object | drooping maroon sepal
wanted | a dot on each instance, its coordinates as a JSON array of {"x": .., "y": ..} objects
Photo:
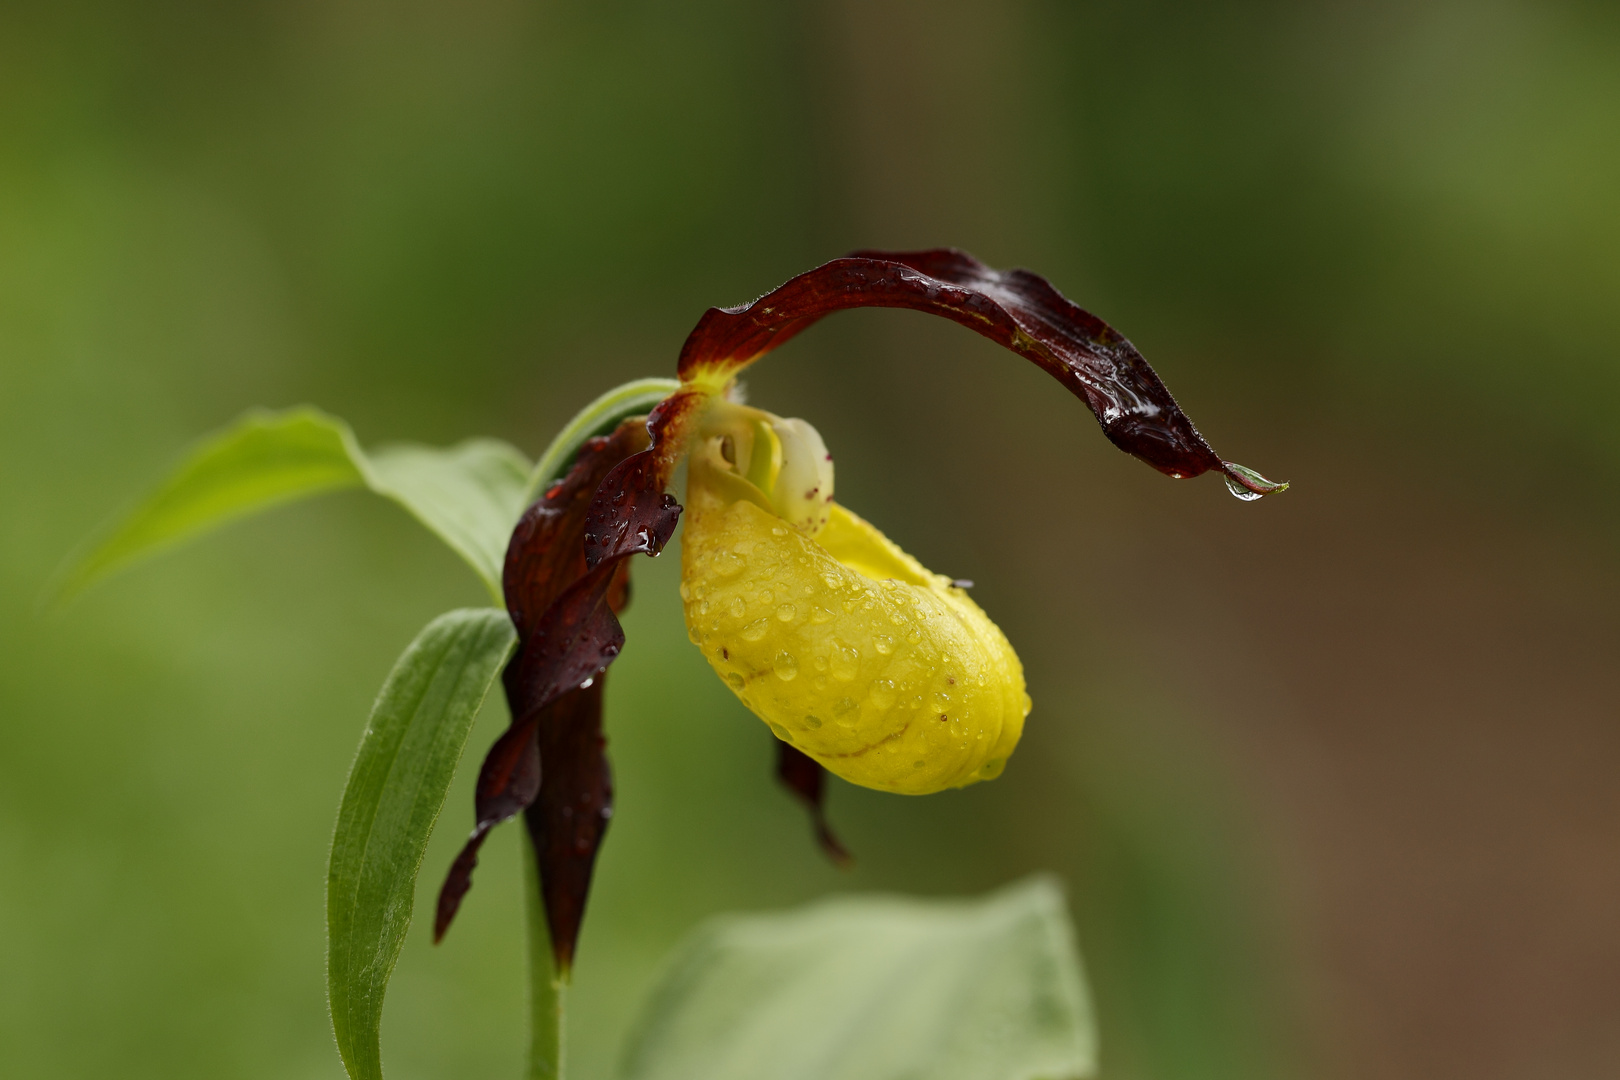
[
  {"x": 1014, "y": 308},
  {"x": 551, "y": 761},
  {"x": 507, "y": 783},
  {"x": 805, "y": 777},
  {"x": 568, "y": 820}
]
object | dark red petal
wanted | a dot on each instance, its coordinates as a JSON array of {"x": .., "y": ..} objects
[
  {"x": 573, "y": 642},
  {"x": 555, "y": 683},
  {"x": 567, "y": 822},
  {"x": 567, "y": 635},
  {"x": 545, "y": 554},
  {"x": 631, "y": 513},
  {"x": 507, "y": 783},
  {"x": 1014, "y": 308},
  {"x": 805, "y": 777}
]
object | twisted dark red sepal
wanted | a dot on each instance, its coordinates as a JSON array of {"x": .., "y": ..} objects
[
  {"x": 568, "y": 820},
  {"x": 507, "y": 782},
  {"x": 1014, "y": 308},
  {"x": 551, "y": 761},
  {"x": 805, "y": 777}
]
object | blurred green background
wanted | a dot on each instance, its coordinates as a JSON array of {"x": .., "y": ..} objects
[{"x": 1330, "y": 778}]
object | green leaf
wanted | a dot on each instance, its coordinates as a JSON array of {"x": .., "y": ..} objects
[
  {"x": 469, "y": 495},
  {"x": 396, "y": 789},
  {"x": 875, "y": 989}
]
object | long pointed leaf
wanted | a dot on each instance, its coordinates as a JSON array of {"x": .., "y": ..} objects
[
  {"x": 469, "y": 495},
  {"x": 261, "y": 460},
  {"x": 875, "y": 989},
  {"x": 395, "y": 793}
]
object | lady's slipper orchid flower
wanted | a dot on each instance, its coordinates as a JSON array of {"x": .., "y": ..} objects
[
  {"x": 861, "y": 661},
  {"x": 884, "y": 673}
]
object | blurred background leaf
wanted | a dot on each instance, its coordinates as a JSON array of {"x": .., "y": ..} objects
[
  {"x": 874, "y": 988},
  {"x": 1350, "y": 816}
]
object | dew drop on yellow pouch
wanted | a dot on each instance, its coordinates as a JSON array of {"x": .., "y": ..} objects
[{"x": 847, "y": 647}]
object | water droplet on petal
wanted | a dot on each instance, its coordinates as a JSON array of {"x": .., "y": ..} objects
[
  {"x": 787, "y": 612},
  {"x": 755, "y": 630},
  {"x": 846, "y": 662},
  {"x": 884, "y": 645},
  {"x": 786, "y": 668}
]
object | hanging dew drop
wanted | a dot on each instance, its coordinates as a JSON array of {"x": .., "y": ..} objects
[
  {"x": 1239, "y": 491},
  {"x": 1246, "y": 484}
]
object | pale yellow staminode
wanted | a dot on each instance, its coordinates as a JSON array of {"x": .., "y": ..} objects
[{"x": 846, "y": 646}]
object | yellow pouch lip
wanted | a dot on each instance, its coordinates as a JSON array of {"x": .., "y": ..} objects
[{"x": 849, "y": 562}]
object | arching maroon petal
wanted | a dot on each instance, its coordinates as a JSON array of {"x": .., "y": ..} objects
[
  {"x": 805, "y": 777},
  {"x": 1014, "y": 308}
]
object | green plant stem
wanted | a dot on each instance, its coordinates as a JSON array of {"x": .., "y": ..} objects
[
  {"x": 546, "y": 987},
  {"x": 597, "y": 418}
]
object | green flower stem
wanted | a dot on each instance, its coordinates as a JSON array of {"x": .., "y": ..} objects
[
  {"x": 546, "y": 987},
  {"x": 597, "y": 418}
]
